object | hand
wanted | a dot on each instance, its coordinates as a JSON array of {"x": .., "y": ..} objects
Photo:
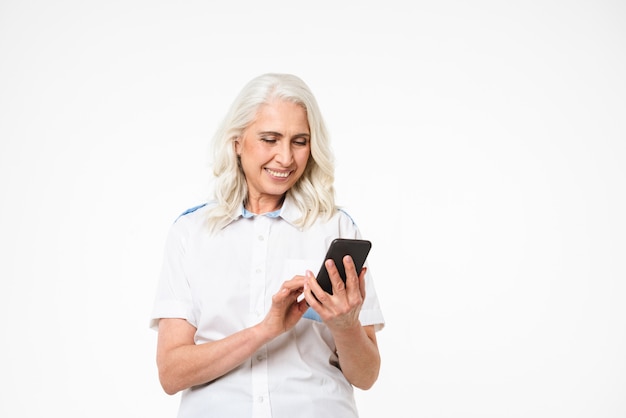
[
  {"x": 339, "y": 311},
  {"x": 286, "y": 310}
]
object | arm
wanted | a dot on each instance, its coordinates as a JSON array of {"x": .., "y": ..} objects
[
  {"x": 358, "y": 355},
  {"x": 357, "y": 348},
  {"x": 183, "y": 364}
]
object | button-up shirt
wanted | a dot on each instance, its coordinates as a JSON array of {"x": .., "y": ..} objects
[{"x": 223, "y": 282}]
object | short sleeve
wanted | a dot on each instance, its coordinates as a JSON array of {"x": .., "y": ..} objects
[{"x": 173, "y": 295}]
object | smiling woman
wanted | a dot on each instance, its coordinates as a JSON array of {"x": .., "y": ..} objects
[
  {"x": 273, "y": 152},
  {"x": 265, "y": 107},
  {"x": 237, "y": 304}
]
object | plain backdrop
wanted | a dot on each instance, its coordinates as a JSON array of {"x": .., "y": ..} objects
[{"x": 480, "y": 145}]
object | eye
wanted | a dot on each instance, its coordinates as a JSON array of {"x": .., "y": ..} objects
[
  {"x": 268, "y": 139},
  {"x": 301, "y": 142}
]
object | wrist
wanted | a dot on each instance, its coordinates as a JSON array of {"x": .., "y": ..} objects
[
  {"x": 262, "y": 333},
  {"x": 348, "y": 333}
]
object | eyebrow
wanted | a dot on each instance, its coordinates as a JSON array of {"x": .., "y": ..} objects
[{"x": 272, "y": 133}]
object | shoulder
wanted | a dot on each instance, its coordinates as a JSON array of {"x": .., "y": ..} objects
[
  {"x": 195, "y": 212},
  {"x": 191, "y": 210},
  {"x": 345, "y": 216},
  {"x": 344, "y": 224},
  {"x": 192, "y": 218}
]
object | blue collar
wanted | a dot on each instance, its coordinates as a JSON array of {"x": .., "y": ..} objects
[
  {"x": 247, "y": 214},
  {"x": 289, "y": 212}
]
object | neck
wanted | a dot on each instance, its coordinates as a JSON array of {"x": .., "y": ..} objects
[{"x": 263, "y": 204}]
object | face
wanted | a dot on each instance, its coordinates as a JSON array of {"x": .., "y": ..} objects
[{"x": 274, "y": 151}]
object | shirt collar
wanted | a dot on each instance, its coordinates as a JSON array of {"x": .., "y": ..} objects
[
  {"x": 247, "y": 214},
  {"x": 288, "y": 211}
]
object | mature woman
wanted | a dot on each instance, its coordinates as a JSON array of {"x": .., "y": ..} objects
[{"x": 244, "y": 329}]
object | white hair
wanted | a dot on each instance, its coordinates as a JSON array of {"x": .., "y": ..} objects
[{"x": 313, "y": 193}]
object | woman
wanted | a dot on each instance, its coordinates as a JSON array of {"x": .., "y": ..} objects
[{"x": 244, "y": 329}]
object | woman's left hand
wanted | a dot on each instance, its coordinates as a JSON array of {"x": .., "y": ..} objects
[
  {"x": 356, "y": 346},
  {"x": 339, "y": 311}
]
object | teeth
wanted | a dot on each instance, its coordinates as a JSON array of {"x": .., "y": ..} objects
[{"x": 277, "y": 174}]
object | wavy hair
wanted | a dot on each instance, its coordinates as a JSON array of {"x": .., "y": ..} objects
[{"x": 313, "y": 193}]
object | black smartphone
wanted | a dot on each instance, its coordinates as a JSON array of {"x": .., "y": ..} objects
[{"x": 358, "y": 249}]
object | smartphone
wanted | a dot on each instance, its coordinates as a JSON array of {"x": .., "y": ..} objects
[{"x": 358, "y": 249}]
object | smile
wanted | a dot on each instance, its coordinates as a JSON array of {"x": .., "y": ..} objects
[{"x": 278, "y": 173}]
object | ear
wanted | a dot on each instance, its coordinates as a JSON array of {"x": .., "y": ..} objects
[{"x": 237, "y": 146}]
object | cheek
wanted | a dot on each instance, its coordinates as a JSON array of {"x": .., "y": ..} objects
[
  {"x": 251, "y": 153},
  {"x": 302, "y": 157}
]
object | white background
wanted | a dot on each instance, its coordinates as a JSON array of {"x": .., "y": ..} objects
[{"x": 480, "y": 145}]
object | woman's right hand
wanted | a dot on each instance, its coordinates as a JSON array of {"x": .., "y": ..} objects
[
  {"x": 286, "y": 310},
  {"x": 182, "y": 363}
]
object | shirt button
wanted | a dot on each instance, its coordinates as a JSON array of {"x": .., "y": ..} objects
[
  {"x": 260, "y": 399},
  {"x": 260, "y": 357},
  {"x": 261, "y": 238},
  {"x": 258, "y": 271}
]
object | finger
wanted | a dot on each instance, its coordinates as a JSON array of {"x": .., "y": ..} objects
[
  {"x": 353, "y": 281},
  {"x": 295, "y": 284},
  {"x": 282, "y": 296},
  {"x": 362, "y": 281},
  {"x": 313, "y": 292},
  {"x": 289, "y": 290},
  {"x": 302, "y": 290},
  {"x": 335, "y": 278},
  {"x": 350, "y": 269}
]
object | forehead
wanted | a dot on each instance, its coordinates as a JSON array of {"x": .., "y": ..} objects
[{"x": 282, "y": 112}]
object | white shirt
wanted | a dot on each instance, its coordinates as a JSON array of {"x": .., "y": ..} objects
[{"x": 223, "y": 283}]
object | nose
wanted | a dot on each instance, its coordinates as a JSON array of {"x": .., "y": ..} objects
[{"x": 284, "y": 153}]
